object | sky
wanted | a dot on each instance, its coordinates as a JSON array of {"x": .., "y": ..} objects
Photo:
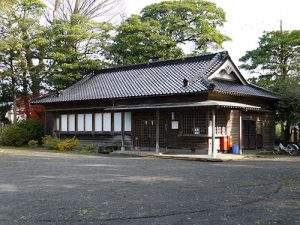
[{"x": 246, "y": 20}]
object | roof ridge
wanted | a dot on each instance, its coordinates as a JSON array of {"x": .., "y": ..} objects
[
  {"x": 78, "y": 83},
  {"x": 159, "y": 63},
  {"x": 220, "y": 55}
]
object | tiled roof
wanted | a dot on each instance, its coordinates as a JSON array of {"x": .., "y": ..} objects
[
  {"x": 242, "y": 90},
  {"x": 152, "y": 79}
]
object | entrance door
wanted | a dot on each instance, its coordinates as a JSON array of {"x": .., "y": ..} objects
[
  {"x": 145, "y": 129},
  {"x": 249, "y": 134}
]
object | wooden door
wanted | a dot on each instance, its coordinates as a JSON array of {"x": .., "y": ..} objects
[
  {"x": 249, "y": 134},
  {"x": 145, "y": 129}
]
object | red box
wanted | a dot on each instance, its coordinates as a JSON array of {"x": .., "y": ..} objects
[{"x": 225, "y": 143}]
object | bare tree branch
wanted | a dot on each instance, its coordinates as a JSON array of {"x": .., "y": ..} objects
[{"x": 100, "y": 10}]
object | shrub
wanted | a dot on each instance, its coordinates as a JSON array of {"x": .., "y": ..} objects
[
  {"x": 89, "y": 147},
  {"x": 34, "y": 129},
  {"x": 107, "y": 149},
  {"x": 14, "y": 135},
  {"x": 51, "y": 142},
  {"x": 68, "y": 144},
  {"x": 21, "y": 132},
  {"x": 33, "y": 143}
]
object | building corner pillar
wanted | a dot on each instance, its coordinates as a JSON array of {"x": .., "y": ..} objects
[{"x": 157, "y": 132}]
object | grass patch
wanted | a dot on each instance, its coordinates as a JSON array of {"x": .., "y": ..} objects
[
  {"x": 291, "y": 182},
  {"x": 4, "y": 149}
]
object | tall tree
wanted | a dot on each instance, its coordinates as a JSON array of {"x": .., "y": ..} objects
[
  {"x": 77, "y": 41},
  {"x": 76, "y": 47},
  {"x": 139, "y": 42},
  {"x": 277, "y": 55},
  {"x": 101, "y": 10},
  {"x": 276, "y": 61},
  {"x": 288, "y": 112},
  {"x": 162, "y": 29},
  {"x": 6, "y": 100},
  {"x": 18, "y": 24}
]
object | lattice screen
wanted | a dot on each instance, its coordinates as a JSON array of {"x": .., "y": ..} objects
[{"x": 194, "y": 122}]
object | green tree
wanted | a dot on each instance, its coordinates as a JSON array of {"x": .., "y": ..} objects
[
  {"x": 288, "y": 111},
  {"x": 277, "y": 56},
  {"x": 276, "y": 61},
  {"x": 162, "y": 29},
  {"x": 76, "y": 47},
  {"x": 139, "y": 42},
  {"x": 19, "y": 22},
  {"x": 6, "y": 100}
]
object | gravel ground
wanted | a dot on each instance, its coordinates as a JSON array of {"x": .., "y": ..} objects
[{"x": 55, "y": 188}]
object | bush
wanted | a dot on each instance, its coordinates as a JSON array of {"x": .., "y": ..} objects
[
  {"x": 107, "y": 149},
  {"x": 33, "y": 143},
  {"x": 51, "y": 142},
  {"x": 89, "y": 147},
  {"x": 68, "y": 144},
  {"x": 21, "y": 132},
  {"x": 14, "y": 135},
  {"x": 34, "y": 129}
]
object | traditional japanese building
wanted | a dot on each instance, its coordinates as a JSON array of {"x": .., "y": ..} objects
[{"x": 187, "y": 103}]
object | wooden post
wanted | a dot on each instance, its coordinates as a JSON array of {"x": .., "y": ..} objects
[
  {"x": 241, "y": 132},
  {"x": 213, "y": 150},
  {"x": 122, "y": 131},
  {"x": 157, "y": 132},
  {"x": 45, "y": 127}
]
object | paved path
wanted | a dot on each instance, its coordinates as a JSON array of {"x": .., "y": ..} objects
[{"x": 53, "y": 188}]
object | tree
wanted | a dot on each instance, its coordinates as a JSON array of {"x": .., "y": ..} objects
[
  {"x": 102, "y": 10},
  {"x": 19, "y": 23},
  {"x": 6, "y": 100},
  {"x": 162, "y": 29},
  {"x": 76, "y": 42},
  {"x": 139, "y": 42},
  {"x": 76, "y": 47},
  {"x": 277, "y": 56},
  {"x": 277, "y": 63},
  {"x": 289, "y": 103}
]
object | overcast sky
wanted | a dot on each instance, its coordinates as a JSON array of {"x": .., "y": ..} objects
[{"x": 246, "y": 20}]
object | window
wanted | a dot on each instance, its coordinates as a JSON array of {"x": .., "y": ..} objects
[
  {"x": 107, "y": 122},
  {"x": 64, "y": 122},
  {"x": 194, "y": 123},
  {"x": 127, "y": 118},
  {"x": 57, "y": 124},
  {"x": 71, "y": 122},
  {"x": 117, "y": 122},
  {"x": 98, "y": 121},
  {"x": 221, "y": 120},
  {"x": 88, "y": 122},
  {"x": 80, "y": 122}
]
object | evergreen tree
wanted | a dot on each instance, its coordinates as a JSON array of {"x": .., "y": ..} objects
[{"x": 162, "y": 29}]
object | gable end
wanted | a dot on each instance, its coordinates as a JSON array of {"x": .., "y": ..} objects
[{"x": 228, "y": 72}]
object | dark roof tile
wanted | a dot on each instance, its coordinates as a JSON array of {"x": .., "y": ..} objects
[{"x": 150, "y": 79}]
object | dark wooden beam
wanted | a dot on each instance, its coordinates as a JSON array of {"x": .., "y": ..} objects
[
  {"x": 241, "y": 132},
  {"x": 157, "y": 132},
  {"x": 213, "y": 137},
  {"x": 122, "y": 130}
]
